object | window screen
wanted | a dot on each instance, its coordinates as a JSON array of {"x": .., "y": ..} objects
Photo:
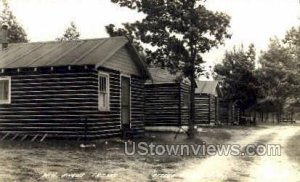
[
  {"x": 4, "y": 90},
  {"x": 103, "y": 92}
]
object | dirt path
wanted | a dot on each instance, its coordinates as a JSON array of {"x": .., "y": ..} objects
[{"x": 249, "y": 168}]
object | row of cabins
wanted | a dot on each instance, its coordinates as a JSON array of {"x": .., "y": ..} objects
[
  {"x": 167, "y": 101},
  {"x": 92, "y": 89}
]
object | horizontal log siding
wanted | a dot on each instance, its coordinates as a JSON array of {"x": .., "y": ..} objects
[
  {"x": 201, "y": 109},
  {"x": 54, "y": 101},
  {"x": 212, "y": 109},
  {"x": 229, "y": 113},
  {"x": 217, "y": 109},
  {"x": 205, "y": 109},
  {"x": 185, "y": 89},
  {"x": 137, "y": 105},
  {"x": 162, "y": 104}
]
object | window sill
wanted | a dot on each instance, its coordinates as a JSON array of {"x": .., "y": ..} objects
[
  {"x": 5, "y": 103},
  {"x": 104, "y": 110}
]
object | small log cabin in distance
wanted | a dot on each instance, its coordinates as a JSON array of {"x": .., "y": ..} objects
[
  {"x": 73, "y": 89},
  {"x": 166, "y": 99},
  {"x": 229, "y": 111},
  {"x": 207, "y": 96}
]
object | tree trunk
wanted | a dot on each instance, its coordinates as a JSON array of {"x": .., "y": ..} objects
[
  {"x": 192, "y": 77},
  {"x": 191, "y": 129}
]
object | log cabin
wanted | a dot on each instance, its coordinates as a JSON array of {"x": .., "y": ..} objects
[
  {"x": 72, "y": 89},
  {"x": 229, "y": 111},
  {"x": 166, "y": 99},
  {"x": 207, "y": 96}
]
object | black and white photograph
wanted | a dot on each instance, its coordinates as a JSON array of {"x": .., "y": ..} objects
[{"x": 150, "y": 90}]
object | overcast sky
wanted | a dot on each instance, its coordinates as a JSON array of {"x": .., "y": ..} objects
[{"x": 253, "y": 21}]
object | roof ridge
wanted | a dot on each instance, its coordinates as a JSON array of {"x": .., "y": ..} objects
[{"x": 79, "y": 40}]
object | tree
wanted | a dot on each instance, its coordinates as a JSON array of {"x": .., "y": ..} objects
[
  {"x": 280, "y": 71},
  {"x": 128, "y": 31},
  {"x": 237, "y": 72},
  {"x": 71, "y": 33},
  {"x": 16, "y": 33},
  {"x": 292, "y": 43},
  {"x": 175, "y": 34}
]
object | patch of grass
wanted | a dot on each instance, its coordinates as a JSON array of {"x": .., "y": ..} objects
[
  {"x": 216, "y": 134},
  {"x": 231, "y": 180},
  {"x": 248, "y": 158},
  {"x": 293, "y": 148}
]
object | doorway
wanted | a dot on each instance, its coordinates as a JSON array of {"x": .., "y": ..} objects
[{"x": 125, "y": 102}]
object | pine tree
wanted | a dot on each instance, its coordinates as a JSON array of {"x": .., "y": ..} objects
[
  {"x": 16, "y": 33},
  {"x": 71, "y": 33},
  {"x": 237, "y": 72},
  {"x": 280, "y": 71}
]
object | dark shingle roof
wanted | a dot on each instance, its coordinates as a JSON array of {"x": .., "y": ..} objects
[
  {"x": 207, "y": 87},
  {"x": 79, "y": 52}
]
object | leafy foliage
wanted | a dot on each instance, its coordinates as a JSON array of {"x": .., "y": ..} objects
[
  {"x": 16, "y": 33},
  {"x": 71, "y": 33},
  {"x": 175, "y": 34},
  {"x": 128, "y": 31},
  {"x": 280, "y": 71},
  {"x": 237, "y": 73}
]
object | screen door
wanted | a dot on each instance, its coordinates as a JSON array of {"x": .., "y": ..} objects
[{"x": 125, "y": 100}]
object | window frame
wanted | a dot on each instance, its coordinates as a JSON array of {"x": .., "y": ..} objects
[
  {"x": 9, "y": 90},
  {"x": 106, "y": 75}
]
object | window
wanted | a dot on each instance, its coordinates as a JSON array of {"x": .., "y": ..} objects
[
  {"x": 4, "y": 90},
  {"x": 186, "y": 100},
  {"x": 103, "y": 90}
]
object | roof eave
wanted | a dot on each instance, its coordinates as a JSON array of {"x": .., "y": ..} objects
[{"x": 140, "y": 62}]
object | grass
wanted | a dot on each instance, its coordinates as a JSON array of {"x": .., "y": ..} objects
[
  {"x": 293, "y": 148},
  {"x": 29, "y": 161}
]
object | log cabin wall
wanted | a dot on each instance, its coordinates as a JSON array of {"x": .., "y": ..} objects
[
  {"x": 184, "y": 110},
  {"x": 202, "y": 104},
  {"x": 137, "y": 105},
  {"x": 212, "y": 109},
  {"x": 162, "y": 104},
  {"x": 57, "y": 101},
  {"x": 205, "y": 109},
  {"x": 229, "y": 112},
  {"x": 217, "y": 106}
]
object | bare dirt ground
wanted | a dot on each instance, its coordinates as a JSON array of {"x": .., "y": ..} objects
[
  {"x": 66, "y": 161},
  {"x": 285, "y": 167}
]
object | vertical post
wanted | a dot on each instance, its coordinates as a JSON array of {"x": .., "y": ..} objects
[{"x": 192, "y": 103}]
